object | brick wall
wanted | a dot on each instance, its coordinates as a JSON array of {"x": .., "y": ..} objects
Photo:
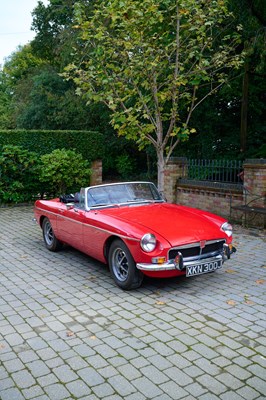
[
  {"x": 215, "y": 199},
  {"x": 255, "y": 181},
  {"x": 96, "y": 173},
  {"x": 207, "y": 198}
]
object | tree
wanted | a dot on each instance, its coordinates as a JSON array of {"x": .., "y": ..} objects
[
  {"x": 55, "y": 32},
  {"x": 46, "y": 101},
  {"x": 17, "y": 67},
  {"x": 5, "y": 100},
  {"x": 252, "y": 13},
  {"x": 20, "y": 64},
  {"x": 146, "y": 61}
]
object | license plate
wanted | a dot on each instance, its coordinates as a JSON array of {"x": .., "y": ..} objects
[{"x": 203, "y": 268}]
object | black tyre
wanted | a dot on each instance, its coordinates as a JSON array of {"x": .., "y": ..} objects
[
  {"x": 123, "y": 267},
  {"x": 50, "y": 240}
]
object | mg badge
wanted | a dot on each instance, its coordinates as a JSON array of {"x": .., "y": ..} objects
[{"x": 202, "y": 244}]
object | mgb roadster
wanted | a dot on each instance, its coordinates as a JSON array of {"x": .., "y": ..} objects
[{"x": 130, "y": 227}]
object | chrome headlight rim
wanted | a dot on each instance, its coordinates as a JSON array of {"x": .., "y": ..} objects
[
  {"x": 148, "y": 242},
  {"x": 227, "y": 228}
]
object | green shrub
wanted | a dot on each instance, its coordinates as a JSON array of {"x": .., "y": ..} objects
[
  {"x": 125, "y": 165},
  {"x": 63, "y": 171},
  {"x": 19, "y": 170},
  {"x": 89, "y": 144}
]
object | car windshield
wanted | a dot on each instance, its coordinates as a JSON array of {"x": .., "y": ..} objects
[{"x": 122, "y": 193}]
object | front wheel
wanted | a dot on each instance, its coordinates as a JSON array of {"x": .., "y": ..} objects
[
  {"x": 123, "y": 267},
  {"x": 50, "y": 240}
]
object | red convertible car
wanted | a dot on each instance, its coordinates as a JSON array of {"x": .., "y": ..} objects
[{"x": 133, "y": 229}]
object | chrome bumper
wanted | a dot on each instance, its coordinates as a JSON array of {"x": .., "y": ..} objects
[{"x": 184, "y": 264}]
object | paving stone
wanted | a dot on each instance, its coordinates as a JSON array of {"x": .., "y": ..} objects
[
  {"x": 146, "y": 387},
  {"x": 78, "y": 388},
  {"x": 154, "y": 374},
  {"x": 38, "y": 368},
  {"x": 57, "y": 392},
  {"x": 211, "y": 384},
  {"x": 178, "y": 376},
  {"x": 5, "y": 383},
  {"x": 230, "y": 381},
  {"x": 159, "y": 362},
  {"x": 54, "y": 362},
  {"x": 193, "y": 371},
  {"x": 13, "y": 365},
  {"x": 11, "y": 394},
  {"x": 47, "y": 380},
  {"x": 196, "y": 390},
  {"x": 90, "y": 376},
  {"x": 124, "y": 345},
  {"x": 130, "y": 372},
  {"x": 205, "y": 351},
  {"x": 248, "y": 393},
  {"x": 14, "y": 339},
  {"x": 239, "y": 372},
  {"x": 134, "y": 396},
  {"x": 231, "y": 396},
  {"x": 104, "y": 391},
  {"x": 23, "y": 379},
  {"x": 257, "y": 370},
  {"x": 32, "y": 392},
  {"x": 257, "y": 384},
  {"x": 173, "y": 390}
]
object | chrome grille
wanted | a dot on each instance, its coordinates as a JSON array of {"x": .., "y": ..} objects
[{"x": 194, "y": 250}]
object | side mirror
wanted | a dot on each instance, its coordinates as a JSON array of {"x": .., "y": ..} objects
[{"x": 69, "y": 206}]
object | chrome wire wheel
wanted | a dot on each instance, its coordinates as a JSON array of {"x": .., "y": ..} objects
[
  {"x": 50, "y": 240},
  {"x": 123, "y": 267},
  {"x": 48, "y": 232},
  {"x": 120, "y": 264}
]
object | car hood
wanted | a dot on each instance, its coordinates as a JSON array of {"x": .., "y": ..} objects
[{"x": 177, "y": 224}]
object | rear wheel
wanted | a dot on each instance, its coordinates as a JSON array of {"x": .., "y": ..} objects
[
  {"x": 50, "y": 240},
  {"x": 123, "y": 267}
]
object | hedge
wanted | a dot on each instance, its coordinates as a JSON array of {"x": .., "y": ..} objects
[{"x": 88, "y": 143}]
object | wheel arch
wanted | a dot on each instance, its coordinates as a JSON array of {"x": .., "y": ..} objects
[
  {"x": 42, "y": 219},
  {"x": 108, "y": 243}
]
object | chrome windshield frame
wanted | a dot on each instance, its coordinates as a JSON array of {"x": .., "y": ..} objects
[{"x": 110, "y": 195}]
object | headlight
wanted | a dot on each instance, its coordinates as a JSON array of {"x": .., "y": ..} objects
[
  {"x": 227, "y": 228},
  {"x": 148, "y": 242}
]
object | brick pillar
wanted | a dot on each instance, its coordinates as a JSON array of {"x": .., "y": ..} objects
[
  {"x": 96, "y": 173},
  {"x": 176, "y": 168},
  {"x": 255, "y": 179},
  {"x": 255, "y": 183}
]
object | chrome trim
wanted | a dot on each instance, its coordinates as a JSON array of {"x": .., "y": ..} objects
[
  {"x": 171, "y": 265},
  {"x": 197, "y": 245}
]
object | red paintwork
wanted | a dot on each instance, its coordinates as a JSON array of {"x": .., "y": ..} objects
[{"x": 90, "y": 231}]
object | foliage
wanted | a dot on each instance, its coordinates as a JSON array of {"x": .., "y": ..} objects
[
  {"x": 46, "y": 101},
  {"x": 63, "y": 171},
  {"x": 150, "y": 76},
  {"x": 5, "y": 99},
  {"x": 219, "y": 121},
  {"x": 20, "y": 64},
  {"x": 33, "y": 95},
  {"x": 24, "y": 175},
  {"x": 89, "y": 144},
  {"x": 55, "y": 31},
  {"x": 125, "y": 165},
  {"x": 19, "y": 169}
]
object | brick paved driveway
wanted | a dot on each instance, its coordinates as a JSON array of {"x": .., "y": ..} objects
[{"x": 67, "y": 332}]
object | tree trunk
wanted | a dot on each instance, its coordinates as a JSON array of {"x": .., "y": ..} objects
[
  {"x": 160, "y": 170},
  {"x": 244, "y": 112}
]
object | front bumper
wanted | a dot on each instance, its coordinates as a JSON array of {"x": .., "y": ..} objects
[{"x": 183, "y": 264}]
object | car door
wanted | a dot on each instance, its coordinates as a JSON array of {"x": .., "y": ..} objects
[
  {"x": 70, "y": 224},
  {"x": 95, "y": 234}
]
